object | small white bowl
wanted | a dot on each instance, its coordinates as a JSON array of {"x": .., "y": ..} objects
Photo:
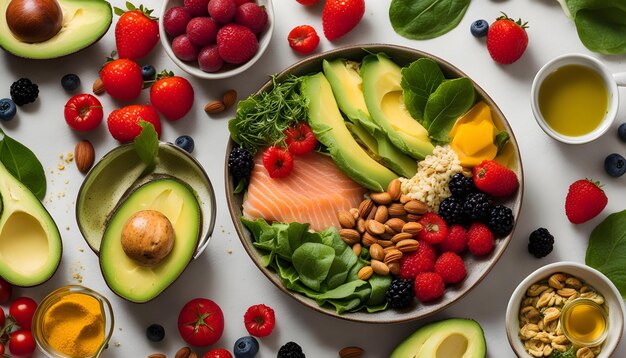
[
  {"x": 589, "y": 275},
  {"x": 229, "y": 70}
]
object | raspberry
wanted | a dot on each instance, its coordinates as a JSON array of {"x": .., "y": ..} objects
[
  {"x": 422, "y": 260},
  {"x": 434, "y": 229},
  {"x": 300, "y": 139},
  {"x": 479, "y": 239},
  {"x": 259, "y": 320},
  {"x": 202, "y": 31},
  {"x": 251, "y": 16},
  {"x": 303, "y": 39},
  {"x": 209, "y": 59},
  {"x": 222, "y": 11},
  {"x": 450, "y": 267},
  {"x": 429, "y": 286},
  {"x": 455, "y": 241},
  {"x": 278, "y": 161},
  {"x": 184, "y": 49},
  {"x": 237, "y": 44},
  {"x": 196, "y": 7},
  {"x": 175, "y": 20}
]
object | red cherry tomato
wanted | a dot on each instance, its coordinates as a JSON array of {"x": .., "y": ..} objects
[
  {"x": 21, "y": 344},
  {"x": 83, "y": 112},
  {"x": 201, "y": 322},
  {"x": 217, "y": 353},
  {"x": 23, "y": 310},
  {"x": 6, "y": 289},
  {"x": 1, "y": 348}
]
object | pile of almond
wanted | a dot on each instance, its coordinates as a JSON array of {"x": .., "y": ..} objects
[{"x": 385, "y": 223}]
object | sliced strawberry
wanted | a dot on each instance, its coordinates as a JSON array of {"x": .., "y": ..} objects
[
  {"x": 303, "y": 39},
  {"x": 434, "y": 229},
  {"x": 278, "y": 161},
  {"x": 259, "y": 320},
  {"x": 300, "y": 139}
]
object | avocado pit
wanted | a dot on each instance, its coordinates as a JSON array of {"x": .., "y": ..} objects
[
  {"x": 147, "y": 237},
  {"x": 34, "y": 21}
]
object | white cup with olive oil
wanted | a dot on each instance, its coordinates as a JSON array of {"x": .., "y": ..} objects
[{"x": 575, "y": 98}]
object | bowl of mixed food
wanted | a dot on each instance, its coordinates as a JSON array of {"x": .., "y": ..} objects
[{"x": 374, "y": 183}]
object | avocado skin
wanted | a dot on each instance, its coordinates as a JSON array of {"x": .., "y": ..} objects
[{"x": 423, "y": 343}]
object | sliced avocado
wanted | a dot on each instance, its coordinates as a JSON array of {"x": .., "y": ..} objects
[
  {"x": 84, "y": 22},
  {"x": 385, "y": 102},
  {"x": 347, "y": 85},
  {"x": 330, "y": 129},
  {"x": 30, "y": 243},
  {"x": 127, "y": 277},
  {"x": 450, "y": 338}
]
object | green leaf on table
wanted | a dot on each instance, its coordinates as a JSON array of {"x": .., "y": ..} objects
[
  {"x": 601, "y": 24},
  {"x": 607, "y": 249},
  {"x": 449, "y": 101},
  {"x": 23, "y": 164},
  {"x": 147, "y": 145},
  {"x": 426, "y": 19},
  {"x": 419, "y": 80}
]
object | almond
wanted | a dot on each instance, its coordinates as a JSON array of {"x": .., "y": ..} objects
[
  {"x": 379, "y": 267},
  {"x": 98, "y": 87},
  {"x": 183, "y": 352},
  {"x": 374, "y": 227},
  {"x": 360, "y": 225},
  {"x": 351, "y": 352},
  {"x": 382, "y": 213},
  {"x": 350, "y": 236},
  {"x": 396, "y": 210},
  {"x": 376, "y": 252},
  {"x": 229, "y": 98},
  {"x": 372, "y": 213},
  {"x": 401, "y": 236},
  {"x": 412, "y": 228},
  {"x": 390, "y": 231},
  {"x": 405, "y": 199},
  {"x": 396, "y": 224},
  {"x": 368, "y": 240},
  {"x": 381, "y": 198},
  {"x": 346, "y": 220},
  {"x": 385, "y": 243},
  {"x": 365, "y": 207},
  {"x": 84, "y": 155},
  {"x": 409, "y": 245},
  {"x": 214, "y": 107},
  {"x": 415, "y": 207},
  {"x": 392, "y": 256},
  {"x": 157, "y": 355},
  {"x": 355, "y": 213},
  {"x": 394, "y": 189},
  {"x": 356, "y": 248},
  {"x": 413, "y": 217},
  {"x": 394, "y": 267},
  {"x": 365, "y": 273}
]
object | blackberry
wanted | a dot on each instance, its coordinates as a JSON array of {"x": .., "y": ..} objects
[
  {"x": 540, "y": 243},
  {"x": 240, "y": 163},
  {"x": 477, "y": 207},
  {"x": 460, "y": 186},
  {"x": 500, "y": 220},
  {"x": 451, "y": 210},
  {"x": 400, "y": 293},
  {"x": 23, "y": 91},
  {"x": 290, "y": 350}
]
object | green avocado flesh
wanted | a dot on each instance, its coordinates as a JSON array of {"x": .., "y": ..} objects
[
  {"x": 330, "y": 129},
  {"x": 385, "y": 102},
  {"x": 347, "y": 85},
  {"x": 451, "y": 338},
  {"x": 30, "y": 243},
  {"x": 127, "y": 278},
  {"x": 84, "y": 22}
]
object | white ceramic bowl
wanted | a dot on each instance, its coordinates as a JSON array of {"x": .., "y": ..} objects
[
  {"x": 592, "y": 277},
  {"x": 228, "y": 70}
]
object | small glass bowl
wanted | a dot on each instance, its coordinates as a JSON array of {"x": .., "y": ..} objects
[
  {"x": 576, "y": 302},
  {"x": 52, "y": 298}
]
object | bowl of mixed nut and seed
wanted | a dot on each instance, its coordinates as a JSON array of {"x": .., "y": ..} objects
[{"x": 565, "y": 309}]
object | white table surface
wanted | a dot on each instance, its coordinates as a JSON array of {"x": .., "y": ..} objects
[{"x": 226, "y": 274}]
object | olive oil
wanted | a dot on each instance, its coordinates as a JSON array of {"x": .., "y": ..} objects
[
  {"x": 573, "y": 100},
  {"x": 584, "y": 322}
]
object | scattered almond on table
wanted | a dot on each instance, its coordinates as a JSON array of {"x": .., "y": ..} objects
[{"x": 84, "y": 155}]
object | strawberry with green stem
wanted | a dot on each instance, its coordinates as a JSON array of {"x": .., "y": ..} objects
[
  {"x": 585, "y": 200},
  {"x": 136, "y": 31},
  {"x": 507, "y": 39},
  {"x": 171, "y": 95}
]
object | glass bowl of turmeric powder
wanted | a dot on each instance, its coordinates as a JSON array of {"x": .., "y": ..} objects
[{"x": 73, "y": 322}]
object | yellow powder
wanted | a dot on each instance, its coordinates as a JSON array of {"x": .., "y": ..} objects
[{"x": 74, "y": 325}]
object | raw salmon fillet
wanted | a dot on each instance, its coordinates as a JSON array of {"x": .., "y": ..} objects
[{"x": 314, "y": 193}]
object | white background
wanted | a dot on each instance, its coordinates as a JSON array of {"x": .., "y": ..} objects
[{"x": 226, "y": 274}]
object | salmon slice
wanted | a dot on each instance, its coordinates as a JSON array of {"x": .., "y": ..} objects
[{"x": 314, "y": 193}]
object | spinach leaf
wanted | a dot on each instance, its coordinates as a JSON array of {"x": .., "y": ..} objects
[
  {"x": 313, "y": 261},
  {"x": 147, "y": 145},
  {"x": 451, "y": 99},
  {"x": 23, "y": 164},
  {"x": 419, "y": 80},
  {"x": 601, "y": 24},
  {"x": 607, "y": 249},
  {"x": 426, "y": 19}
]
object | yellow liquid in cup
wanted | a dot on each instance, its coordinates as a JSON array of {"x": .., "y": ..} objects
[
  {"x": 573, "y": 100},
  {"x": 584, "y": 322}
]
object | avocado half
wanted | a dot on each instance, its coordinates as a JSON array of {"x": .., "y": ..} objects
[
  {"x": 84, "y": 22},
  {"x": 30, "y": 243}
]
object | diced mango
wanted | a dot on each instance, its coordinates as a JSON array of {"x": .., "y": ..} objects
[{"x": 472, "y": 136}]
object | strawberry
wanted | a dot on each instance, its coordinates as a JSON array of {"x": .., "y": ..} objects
[
  {"x": 507, "y": 39},
  {"x": 236, "y": 44},
  {"x": 585, "y": 200},
  {"x": 124, "y": 125},
  {"x": 303, "y": 39},
  {"x": 122, "y": 79},
  {"x": 300, "y": 139},
  {"x": 340, "y": 16},
  {"x": 434, "y": 229},
  {"x": 308, "y": 2},
  {"x": 136, "y": 32},
  {"x": 278, "y": 161},
  {"x": 494, "y": 178},
  {"x": 259, "y": 320},
  {"x": 171, "y": 95}
]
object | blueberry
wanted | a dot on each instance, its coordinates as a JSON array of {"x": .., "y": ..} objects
[
  {"x": 155, "y": 332},
  {"x": 621, "y": 132},
  {"x": 479, "y": 28},
  {"x": 7, "y": 109},
  {"x": 70, "y": 82},
  {"x": 185, "y": 142},
  {"x": 246, "y": 347},
  {"x": 615, "y": 165},
  {"x": 148, "y": 72}
]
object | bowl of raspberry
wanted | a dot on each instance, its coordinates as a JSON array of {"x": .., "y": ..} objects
[{"x": 215, "y": 39}]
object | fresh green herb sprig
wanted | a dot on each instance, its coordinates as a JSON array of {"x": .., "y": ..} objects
[{"x": 261, "y": 119}]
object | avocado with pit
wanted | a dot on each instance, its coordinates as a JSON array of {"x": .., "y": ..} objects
[
  {"x": 347, "y": 85},
  {"x": 385, "y": 102},
  {"x": 30, "y": 243},
  {"x": 83, "y": 22},
  {"x": 150, "y": 238},
  {"x": 450, "y": 338},
  {"x": 330, "y": 129}
]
